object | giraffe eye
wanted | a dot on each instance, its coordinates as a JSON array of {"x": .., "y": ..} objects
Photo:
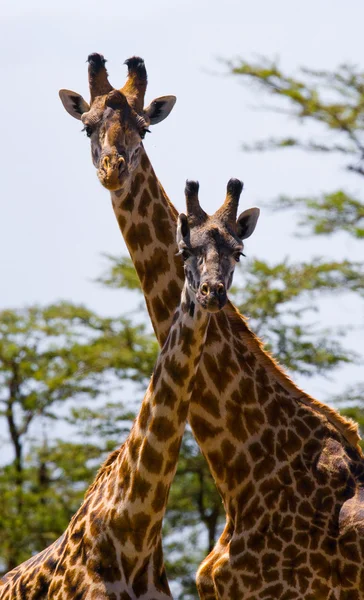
[
  {"x": 143, "y": 132},
  {"x": 88, "y": 130},
  {"x": 185, "y": 254}
]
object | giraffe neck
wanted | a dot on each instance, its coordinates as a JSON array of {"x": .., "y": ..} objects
[
  {"x": 147, "y": 220},
  {"x": 140, "y": 477},
  {"x": 234, "y": 363},
  {"x": 119, "y": 524}
]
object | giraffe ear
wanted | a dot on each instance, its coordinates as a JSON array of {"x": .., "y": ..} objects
[
  {"x": 246, "y": 222},
  {"x": 183, "y": 228},
  {"x": 160, "y": 108},
  {"x": 74, "y": 104}
]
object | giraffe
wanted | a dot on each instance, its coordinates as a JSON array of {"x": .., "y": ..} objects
[
  {"x": 112, "y": 547},
  {"x": 289, "y": 468}
]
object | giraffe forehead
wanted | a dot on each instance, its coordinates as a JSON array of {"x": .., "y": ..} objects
[{"x": 211, "y": 236}]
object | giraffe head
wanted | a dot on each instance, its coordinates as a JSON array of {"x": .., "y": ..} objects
[
  {"x": 116, "y": 120},
  {"x": 212, "y": 245}
]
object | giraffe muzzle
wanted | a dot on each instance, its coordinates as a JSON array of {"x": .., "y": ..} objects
[
  {"x": 212, "y": 297},
  {"x": 112, "y": 172}
]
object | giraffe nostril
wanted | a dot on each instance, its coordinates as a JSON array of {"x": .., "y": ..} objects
[
  {"x": 204, "y": 289},
  {"x": 106, "y": 162},
  {"x": 221, "y": 289}
]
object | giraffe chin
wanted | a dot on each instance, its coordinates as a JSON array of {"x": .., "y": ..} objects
[
  {"x": 111, "y": 180},
  {"x": 211, "y": 305}
]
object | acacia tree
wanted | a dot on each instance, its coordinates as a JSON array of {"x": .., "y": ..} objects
[
  {"x": 48, "y": 357},
  {"x": 334, "y": 100}
]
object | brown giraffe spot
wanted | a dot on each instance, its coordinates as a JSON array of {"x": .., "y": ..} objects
[
  {"x": 349, "y": 595},
  {"x": 262, "y": 379},
  {"x": 186, "y": 339},
  {"x": 133, "y": 446},
  {"x": 245, "y": 394},
  {"x": 348, "y": 543},
  {"x": 151, "y": 458},
  {"x": 140, "y": 583},
  {"x": 162, "y": 225},
  {"x": 310, "y": 448},
  {"x": 153, "y": 268},
  {"x": 220, "y": 378},
  {"x": 145, "y": 201},
  {"x": 96, "y": 525},
  {"x": 228, "y": 450},
  {"x": 144, "y": 416},
  {"x": 320, "y": 589},
  {"x": 154, "y": 532},
  {"x": 282, "y": 525},
  {"x": 329, "y": 546},
  {"x": 138, "y": 236},
  {"x": 173, "y": 338},
  {"x": 234, "y": 422},
  {"x": 215, "y": 458},
  {"x": 160, "y": 497},
  {"x": 268, "y": 441},
  {"x": 128, "y": 203},
  {"x": 139, "y": 527},
  {"x": 162, "y": 428},
  {"x": 256, "y": 542},
  {"x": 288, "y": 500},
  {"x": 106, "y": 566},
  {"x": 250, "y": 575},
  {"x": 270, "y": 490},
  {"x": 152, "y": 182},
  {"x": 136, "y": 185},
  {"x": 41, "y": 587},
  {"x": 305, "y": 486},
  {"x": 122, "y": 222},
  {"x": 203, "y": 429},
  {"x": 139, "y": 487},
  {"x": 270, "y": 562},
  {"x": 171, "y": 295},
  {"x": 176, "y": 371},
  {"x": 127, "y": 566},
  {"x": 300, "y": 428},
  {"x": 234, "y": 591},
  {"x": 302, "y": 539},
  {"x": 182, "y": 411},
  {"x": 160, "y": 577},
  {"x": 160, "y": 310},
  {"x": 275, "y": 415},
  {"x": 213, "y": 333},
  {"x": 165, "y": 395},
  {"x": 273, "y": 591},
  {"x": 288, "y": 443},
  {"x": 249, "y": 361},
  {"x": 254, "y": 419},
  {"x": 237, "y": 546},
  {"x": 238, "y": 471}
]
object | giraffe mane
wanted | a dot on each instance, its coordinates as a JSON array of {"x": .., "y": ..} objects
[
  {"x": 346, "y": 426},
  {"x": 103, "y": 470}
]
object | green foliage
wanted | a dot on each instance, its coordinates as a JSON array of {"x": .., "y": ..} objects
[
  {"x": 327, "y": 214},
  {"x": 335, "y": 99}
]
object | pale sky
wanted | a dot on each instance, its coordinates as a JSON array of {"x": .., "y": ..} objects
[{"x": 56, "y": 219}]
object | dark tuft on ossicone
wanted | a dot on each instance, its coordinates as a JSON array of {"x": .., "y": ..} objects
[
  {"x": 192, "y": 188},
  {"x": 96, "y": 62},
  {"x": 234, "y": 187},
  {"x": 136, "y": 65}
]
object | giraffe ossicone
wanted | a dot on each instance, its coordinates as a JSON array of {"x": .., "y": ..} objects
[{"x": 112, "y": 548}]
